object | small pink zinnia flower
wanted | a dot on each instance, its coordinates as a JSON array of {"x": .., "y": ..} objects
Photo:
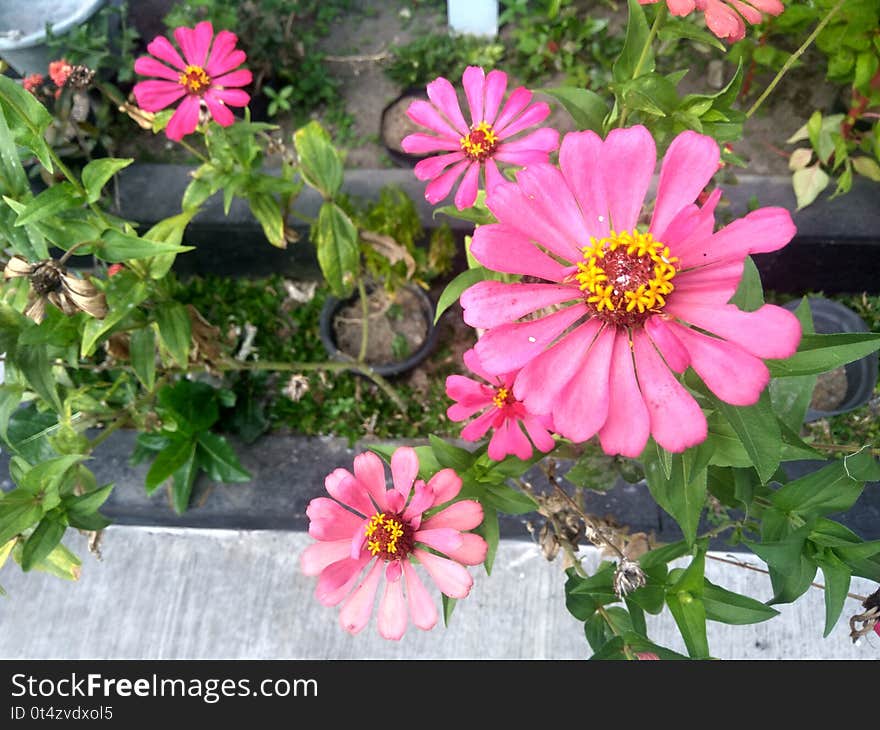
[
  {"x": 201, "y": 77},
  {"x": 482, "y": 144},
  {"x": 501, "y": 412},
  {"x": 365, "y": 525},
  {"x": 32, "y": 83},
  {"x": 59, "y": 72},
  {"x": 621, "y": 310},
  {"x": 724, "y": 21}
]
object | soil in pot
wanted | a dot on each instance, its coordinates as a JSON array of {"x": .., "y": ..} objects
[
  {"x": 830, "y": 390},
  {"x": 396, "y": 327},
  {"x": 396, "y": 125}
]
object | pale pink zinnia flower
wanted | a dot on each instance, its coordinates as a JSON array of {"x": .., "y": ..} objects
[
  {"x": 32, "y": 82},
  {"x": 621, "y": 310},
  {"x": 724, "y": 21},
  {"x": 385, "y": 531},
  {"x": 501, "y": 411},
  {"x": 480, "y": 145},
  {"x": 59, "y": 72},
  {"x": 198, "y": 76}
]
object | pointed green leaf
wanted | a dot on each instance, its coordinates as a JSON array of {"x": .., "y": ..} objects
[
  {"x": 821, "y": 353},
  {"x": 749, "y": 295},
  {"x": 182, "y": 481},
  {"x": 733, "y": 608},
  {"x": 587, "y": 108},
  {"x": 143, "y": 356},
  {"x": 508, "y": 500},
  {"x": 835, "y": 488},
  {"x": 584, "y": 595},
  {"x": 837, "y": 579},
  {"x": 451, "y": 456},
  {"x": 635, "y": 58},
  {"x": 27, "y": 118},
  {"x": 168, "y": 461},
  {"x": 336, "y": 239},
  {"x": 219, "y": 460},
  {"x": 454, "y": 289},
  {"x": 42, "y": 541},
  {"x": 320, "y": 163},
  {"x": 10, "y": 397},
  {"x": 490, "y": 529},
  {"x": 683, "y": 494},
  {"x": 175, "y": 331},
  {"x": 690, "y": 617},
  {"x": 448, "y": 608},
  {"x": 60, "y": 563},
  {"x": 122, "y": 299},
  {"x": 88, "y": 503},
  {"x": 757, "y": 428},
  {"x": 62, "y": 196},
  {"x": 267, "y": 211},
  {"x": 19, "y": 509},
  {"x": 170, "y": 231},
  {"x": 33, "y": 361},
  {"x": 117, "y": 247},
  {"x": 97, "y": 173}
]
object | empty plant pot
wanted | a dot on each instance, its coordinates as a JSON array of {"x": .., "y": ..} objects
[{"x": 850, "y": 386}]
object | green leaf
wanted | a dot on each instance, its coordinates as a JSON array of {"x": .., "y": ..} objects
[
  {"x": 732, "y": 608},
  {"x": 634, "y": 59},
  {"x": 454, "y": 289},
  {"x": 808, "y": 183},
  {"x": 182, "y": 480},
  {"x": 27, "y": 118},
  {"x": 791, "y": 571},
  {"x": 97, "y": 173},
  {"x": 641, "y": 645},
  {"x": 587, "y": 108},
  {"x": 757, "y": 428},
  {"x": 336, "y": 239},
  {"x": 867, "y": 167},
  {"x": 683, "y": 494},
  {"x": 676, "y": 29},
  {"x": 451, "y": 456},
  {"x": 88, "y": 503},
  {"x": 268, "y": 212},
  {"x": 662, "y": 555},
  {"x": 122, "y": 299},
  {"x": 117, "y": 247},
  {"x": 690, "y": 617},
  {"x": 169, "y": 231},
  {"x": 42, "y": 541},
  {"x": 448, "y": 608},
  {"x": 29, "y": 432},
  {"x": 10, "y": 397},
  {"x": 837, "y": 580},
  {"x": 60, "y": 563},
  {"x": 19, "y": 509},
  {"x": 45, "y": 479},
  {"x": 142, "y": 347},
  {"x": 477, "y": 214},
  {"x": 791, "y": 396},
  {"x": 821, "y": 353},
  {"x": 33, "y": 361},
  {"x": 584, "y": 595},
  {"x": 749, "y": 294},
  {"x": 175, "y": 331},
  {"x": 62, "y": 196},
  {"x": 168, "y": 461},
  {"x": 218, "y": 459},
  {"x": 192, "y": 404},
  {"x": 650, "y": 93},
  {"x": 490, "y": 529},
  {"x": 508, "y": 500},
  {"x": 320, "y": 163}
]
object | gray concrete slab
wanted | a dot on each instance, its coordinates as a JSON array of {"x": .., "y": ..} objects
[{"x": 164, "y": 593}]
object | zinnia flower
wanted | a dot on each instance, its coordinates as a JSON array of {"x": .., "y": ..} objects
[
  {"x": 32, "y": 83},
  {"x": 59, "y": 72},
  {"x": 724, "y": 21},
  {"x": 622, "y": 310},
  {"x": 385, "y": 531},
  {"x": 51, "y": 282},
  {"x": 201, "y": 77},
  {"x": 482, "y": 144},
  {"x": 501, "y": 411}
]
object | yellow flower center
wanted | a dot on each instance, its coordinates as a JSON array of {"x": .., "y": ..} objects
[
  {"x": 626, "y": 277},
  {"x": 388, "y": 537},
  {"x": 195, "y": 79},
  {"x": 480, "y": 142},
  {"x": 502, "y": 397}
]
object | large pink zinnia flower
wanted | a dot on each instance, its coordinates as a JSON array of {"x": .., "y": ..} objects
[
  {"x": 501, "y": 412},
  {"x": 202, "y": 77},
  {"x": 366, "y": 525},
  {"x": 478, "y": 146},
  {"x": 627, "y": 309},
  {"x": 724, "y": 21}
]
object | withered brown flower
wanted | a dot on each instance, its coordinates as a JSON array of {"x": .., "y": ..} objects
[{"x": 51, "y": 282}]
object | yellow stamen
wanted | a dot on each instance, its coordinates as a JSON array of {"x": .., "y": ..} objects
[
  {"x": 501, "y": 397},
  {"x": 480, "y": 142},
  {"x": 195, "y": 79}
]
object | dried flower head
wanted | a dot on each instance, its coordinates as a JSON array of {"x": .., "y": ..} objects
[
  {"x": 628, "y": 577},
  {"x": 51, "y": 282},
  {"x": 869, "y": 620},
  {"x": 80, "y": 77}
]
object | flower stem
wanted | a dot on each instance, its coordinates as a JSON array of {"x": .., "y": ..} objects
[
  {"x": 365, "y": 316},
  {"x": 643, "y": 56},
  {"x": 792, "y": 59}
]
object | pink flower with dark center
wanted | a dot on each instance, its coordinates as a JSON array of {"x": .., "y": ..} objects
[
  {"x": 205, "y": 74},
  {"x": 501, "y": 411},
  {"x": 369, "y": 529},
  {"x": 621, "y": 310},
  {"x": 725, "y": 17},
  {"x": 32, "y": 83},
  {"x": 483, "y": 143}
]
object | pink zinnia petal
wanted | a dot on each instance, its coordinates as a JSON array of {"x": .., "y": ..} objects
[
  {"x": 154, "y": 96},
  {"x": 535, "y": 114},
  {"x": 231, "y": 97},
  {"x": 673, "y": 351},
  {"x": 502, "y": 248},
  {"x": 443, "y": 96},
  {"x": 538, "y": 432},
  {"x": 529, "y": 150},
  {"x": 329, "y": 520},
  {"x": 472, "y": 551},
  {"x": 184, "y": 120},
  {"x": 464, "y": 515},
  {"x": 467, "y": 190},
  {"x": 351, "y": 493},
  {"x": 146, "y": 66},
  {"x": 419, "y": 144},
  {"x": 580, "y": 161},
  {"x": 195, "y": 42},
  {"x": 496, "y": 85},
  {"x": 509, "y": 439},
  {"x": 493, "y": 176},
  {"x": 723, "y": 21},
  {"x": 421, "y": 605},
  {"x": 509, "y": 347},
  {"x": 439, "y": 188},
  {"x": 442, "y": 539},
  {"x": 548, "y": 196},
  {"x": 491, "y": 303},
  {"x": 689, "y": 164},
  {"x": 451, "y": 578},
  {"x": 242, "y": 77},
  {"x": 517, "y": 101},
  {"x": 446, "y": 485},
  {"x": 477, "y": 428},
  {"x": 730, "y": 372},
  {"x": 426, "y": 115},
  {"x": 219, "y": 111},
  {"x": 423, "y": 498},
  {"x": 470, "y": 395},
  {"x": 319, "y": 555},
  {"x": 676, "y": 420},
  {"x": 356, "y": 610},
  {"x": 392, "y": 616},
  {"x": 584, "y": 408},
  {"x": 161, "y": 48},
  {"x": 628, "y": 160},
  {"x": 404, "y": 469},
  {"x": 473, "y": 80},
  {"x": 627, "y": 428},
  {"x": 712, "y": 285},
  {"x": 431, "y": 167},
  {"x": 224, "y": 57},
  {"x": 370, "y": 472},
  {"x": 337, "y": 579}
]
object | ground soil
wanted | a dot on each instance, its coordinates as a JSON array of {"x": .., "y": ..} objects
[{"x": 830, "y": 390}]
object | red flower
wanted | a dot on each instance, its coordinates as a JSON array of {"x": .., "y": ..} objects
[
  {"x": 59, "y": 72},
  {"x": 32, "y": 83}
]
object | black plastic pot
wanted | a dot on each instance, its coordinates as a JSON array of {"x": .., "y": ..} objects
[
  {"x": 401, "y": 158},
  {"x": 332, "y": 305},
  {"x": 861, "y": 376}
]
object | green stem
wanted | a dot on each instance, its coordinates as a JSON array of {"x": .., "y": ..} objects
[
  {"x": 792, "y": 59},
  {"x": 192, "y": 150},
  {"x": 105, "y": 434},
  {"x": 365, "y": 315},
  {"x": 643, "y": 56}
]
